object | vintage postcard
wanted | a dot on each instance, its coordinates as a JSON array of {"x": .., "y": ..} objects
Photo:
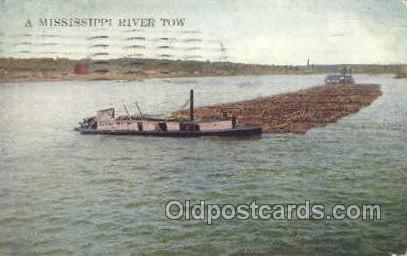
[{"x": 205, "y": 127}]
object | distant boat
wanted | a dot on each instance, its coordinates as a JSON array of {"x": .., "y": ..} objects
[
  {"x": 105, "y": 122},
  {"x": 344, "y": 78}
]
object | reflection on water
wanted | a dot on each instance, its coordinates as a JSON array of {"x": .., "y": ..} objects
[{"x": 63, "y": 193}]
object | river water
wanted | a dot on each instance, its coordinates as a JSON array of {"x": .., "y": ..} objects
[{"x": 62, "y": 193}]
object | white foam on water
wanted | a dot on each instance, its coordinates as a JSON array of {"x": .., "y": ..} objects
[{"x": 405, "y": 254}]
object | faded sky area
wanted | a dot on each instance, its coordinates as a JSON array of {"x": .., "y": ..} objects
[{"x": 267, "y": 32}]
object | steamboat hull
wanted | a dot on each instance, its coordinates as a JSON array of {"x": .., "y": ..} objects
[{"x": 236, "y": 132}]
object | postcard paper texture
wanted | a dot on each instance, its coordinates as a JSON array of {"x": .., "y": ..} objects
[{"x": 272, "y": 127}]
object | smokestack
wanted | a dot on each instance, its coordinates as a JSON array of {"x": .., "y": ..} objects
[{"x": 191, "y": 105}]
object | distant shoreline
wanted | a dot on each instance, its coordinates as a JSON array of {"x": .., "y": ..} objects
[{"x": 44, "y": 70}]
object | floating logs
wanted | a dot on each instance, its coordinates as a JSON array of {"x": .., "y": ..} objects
[{"x": 295, "y": 112}]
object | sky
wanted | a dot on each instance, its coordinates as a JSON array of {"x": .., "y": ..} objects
[{"x": 281, "y": 32}]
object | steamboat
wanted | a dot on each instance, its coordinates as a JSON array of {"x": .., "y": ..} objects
[
  {"x": 344, "y": 78},
  {"x": 105, "y": 122}
]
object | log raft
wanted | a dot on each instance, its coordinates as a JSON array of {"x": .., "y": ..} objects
[{"x": 295, "y": 112}]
